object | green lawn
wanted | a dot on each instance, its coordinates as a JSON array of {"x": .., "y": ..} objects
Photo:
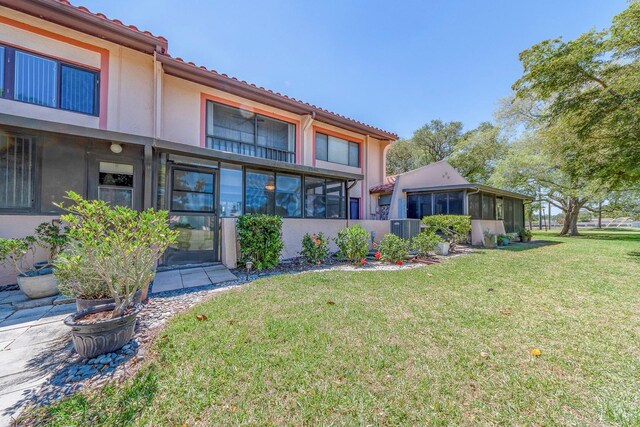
[{"x": 404, "y": 347}]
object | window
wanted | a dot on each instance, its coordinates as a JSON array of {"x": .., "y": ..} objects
[
  {"x": 441, "y": 203},
  {"x": 115, "y": 184},
  {"x": 419, "y": 205},
  {"x": 499, "y": 208},
  {"x": 475, "y": 205},
  {"x": 17, "y": 169},
  {"x": 48, "y": 82},
  {"x": 78, "y": 90},
  {"x": 259, "y": 192},
  {"x": 271, "y": 193},
  {"x": 230, "y": 190},
  {"x": 243, "y": 132},
  {"x": 336, "y": 200},
  {"x": 456, "y": 203},
  {"x": 488, "y": 206},
  {"x": 337, "y": 150},
  {"x": 325, "y": 198},
  {"x": 192, "y": 191},
  {"x": 288, "y": 195},
  {"x": 315, "y": 206}
]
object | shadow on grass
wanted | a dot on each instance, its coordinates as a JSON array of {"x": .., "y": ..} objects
[
  {"x": 534, "y": 244},
  {"x": 626, "y": 237},
  {"x": 634, "y": 255}
]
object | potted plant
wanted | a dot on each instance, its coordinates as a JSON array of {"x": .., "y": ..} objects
[
  {"x": 503, "y": 240},
  {"x": 121, "y": 247},
  {"x": 34, "y": 282},
  {"x": 525, "y": 235},
  {"x": 490, "y": 240}
]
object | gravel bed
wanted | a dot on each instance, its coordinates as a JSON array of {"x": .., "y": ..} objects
[{"x": 75, "y": 373}]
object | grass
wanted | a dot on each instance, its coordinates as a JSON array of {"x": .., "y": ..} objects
[{"x": 403, "y": 347}]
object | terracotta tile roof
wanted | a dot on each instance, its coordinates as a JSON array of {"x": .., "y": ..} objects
[
  {"x": 386, "y": 187},
  {"x": 268, "y": 92},
  {"x": 115, "y": 21}
]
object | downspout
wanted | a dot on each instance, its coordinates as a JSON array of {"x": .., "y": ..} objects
[
  {"x": 307, "y": 124},
  {"x": 466, "y": 205}
]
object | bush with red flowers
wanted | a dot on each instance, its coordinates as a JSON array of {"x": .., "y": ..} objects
[
  {"x": 393, "y": 248},
  {"x": 315, "y": 248}
]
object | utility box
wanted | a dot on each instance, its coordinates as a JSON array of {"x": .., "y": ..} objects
[{"x": 405, "y": 228}]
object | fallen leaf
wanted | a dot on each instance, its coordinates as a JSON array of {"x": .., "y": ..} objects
[
  {"x": 505, "y": 312},
  {"x": 330, "y": 302},
  {"x": 233, "y": 322},
  {"x": 484, "y": 354},
  {"x": 535, "y": 352},
  {"x": 490, "y": 290},
  {"x": 201, "y": 317}
]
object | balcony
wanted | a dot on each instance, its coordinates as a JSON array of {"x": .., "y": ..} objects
[{"x": 251, "y": 149}]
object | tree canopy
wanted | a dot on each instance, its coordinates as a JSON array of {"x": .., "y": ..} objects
[{"x": 591, "y": 85}]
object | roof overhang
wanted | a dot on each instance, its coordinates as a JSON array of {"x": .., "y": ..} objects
[
  {"x": 257, "y": 162},
  {"x": 81, "y": 19},
  {"x": 21, "y": 123},
  {"x": 201, "y": 75},
  {"x": 472, "y": 186}
]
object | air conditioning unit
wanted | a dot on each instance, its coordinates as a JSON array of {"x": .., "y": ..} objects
[{"x": 405, "y": 228}]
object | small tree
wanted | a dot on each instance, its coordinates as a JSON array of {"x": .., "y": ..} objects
[
  {"x": 454, "y": 228},
  {"x": 353, "y": 243},
  {"x": 260, "y": 238},
  {"x": 51, "y": 237},
  {"x": 118, "y": 245},
  {"x": 13, "y": 252}
]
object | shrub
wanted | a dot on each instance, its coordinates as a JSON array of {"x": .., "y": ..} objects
[
  {"x": 503, "y": 240},
  {"x": 13, "y": 253},
  {"x": 260, "y": 238},
  {"x": 425, "y": 242},
  {"x": 51, "y": 237},
  {"x": 525, "y": 233},
  {"x": 455, "y": 228},
  {"x": 115, "y": 245},
  {"x": 315, "y": 247},
  {"x": 353, "y": 243},
  {"x": 393, "y": 248}
]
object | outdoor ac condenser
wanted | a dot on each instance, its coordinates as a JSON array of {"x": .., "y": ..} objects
[{"x": 405, "y": 228}]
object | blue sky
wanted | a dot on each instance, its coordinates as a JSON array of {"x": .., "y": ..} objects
[{"x": 392, "y": 64}]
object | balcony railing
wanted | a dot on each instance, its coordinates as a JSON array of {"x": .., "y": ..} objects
[{"x": 250, "y": 149}]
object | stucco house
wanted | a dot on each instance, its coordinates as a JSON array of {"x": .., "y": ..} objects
[
  {"x": 440, "y": 189},
  {"x": 90, "y": 104}
]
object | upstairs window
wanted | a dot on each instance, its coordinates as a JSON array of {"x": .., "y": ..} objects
[
  {"x": 39, "y": 80},
  {"x": 244, "y": 132},
  {"x": 337, "y": 150}
]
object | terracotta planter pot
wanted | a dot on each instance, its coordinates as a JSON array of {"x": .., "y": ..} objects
[
  {"x": 83, "y": 303},
  {"x": 93, "y": 339},
  {"x": 44, "y": 285}
]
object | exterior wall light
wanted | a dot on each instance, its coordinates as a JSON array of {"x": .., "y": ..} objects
[{"x": 116, "y": 148}]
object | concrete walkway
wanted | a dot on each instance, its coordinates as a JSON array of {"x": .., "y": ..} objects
[
  {"x": 32, "y": 342},
  {"x": 191, "y": 278}
]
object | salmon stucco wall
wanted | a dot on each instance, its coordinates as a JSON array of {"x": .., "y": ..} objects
[
  {"x": 293, "y": 230},
  {"x": 478, "y": 226}
]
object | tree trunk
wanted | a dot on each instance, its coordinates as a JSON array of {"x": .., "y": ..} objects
[
  {"x": 570, "y": 226},
  {"x": 600, "y": 214}
]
